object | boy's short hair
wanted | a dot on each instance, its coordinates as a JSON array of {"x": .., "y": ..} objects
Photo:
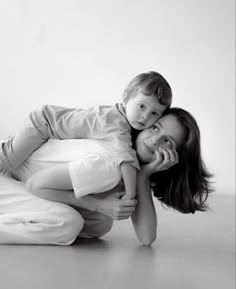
[{"x": 150, "y": 84}]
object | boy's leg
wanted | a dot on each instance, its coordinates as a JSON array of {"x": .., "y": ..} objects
[
  {"x": 16, "y": 149},
  {"x": 27, "y": 219},
  {"x": 46, "y": 122}
]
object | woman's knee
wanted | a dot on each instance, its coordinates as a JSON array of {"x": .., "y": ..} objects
[
  {"x": 104, "y": 228},
  {"x": 96, "y": 227},
  {"x": 72, "y": 225}
]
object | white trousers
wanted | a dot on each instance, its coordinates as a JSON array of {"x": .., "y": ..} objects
[{"x": 27, "y": 219}]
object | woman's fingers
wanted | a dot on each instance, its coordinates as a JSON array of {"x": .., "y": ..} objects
[
  {"x": 117, "y": 208},
  {"x": 165, "y": 159},
  {"x": 159, "y": 156},
  {"x": 124, "y": 215},
  {"x": 122, "y": 218},
  {"x": 119, "y": 195},
  {"x": 166, "y": 156},
  {"x": 170, "y": 158},
  {"x": 174, "y": 157},
  {"x": 127, "y": 209},
  {"x": 128, "y": 203}
]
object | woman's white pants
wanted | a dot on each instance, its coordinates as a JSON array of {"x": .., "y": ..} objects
[{"x": 27, "y": 219}]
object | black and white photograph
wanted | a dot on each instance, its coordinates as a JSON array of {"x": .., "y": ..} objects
[{"x": 117, "y": 144}]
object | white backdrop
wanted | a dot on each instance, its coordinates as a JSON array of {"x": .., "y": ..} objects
[{"x": 84, "y": 52}]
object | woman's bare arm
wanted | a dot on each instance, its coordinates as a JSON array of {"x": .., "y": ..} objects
[
  {"x": 54, "y": 184},
  {"x": 144, "y": 218}
]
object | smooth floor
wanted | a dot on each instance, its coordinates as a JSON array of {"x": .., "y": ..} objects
[{"x": 192, "y": 251}]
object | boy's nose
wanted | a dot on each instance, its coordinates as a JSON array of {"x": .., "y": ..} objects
[{"x": 144, "y": 116}]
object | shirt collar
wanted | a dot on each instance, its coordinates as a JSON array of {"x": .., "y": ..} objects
[{"x": 121, "y": 109}]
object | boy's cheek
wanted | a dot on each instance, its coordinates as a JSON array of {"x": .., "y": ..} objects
[{"x": 150, "y": 124}]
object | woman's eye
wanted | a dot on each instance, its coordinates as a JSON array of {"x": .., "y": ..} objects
[
  {"x": 155, "y": 128},
  {"x": 154, "y": 113},
  {"x": 141, "y": 106},
  {"x": 168, "y": 143}
]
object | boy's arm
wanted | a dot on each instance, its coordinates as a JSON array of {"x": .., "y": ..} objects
[
  {"x": 144, "y": 218},
  {"x": 54, "y": 184},
  {"x": 129, "y": 175}
]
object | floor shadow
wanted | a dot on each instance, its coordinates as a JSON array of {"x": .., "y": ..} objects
[{"x": 93, "y": 243}]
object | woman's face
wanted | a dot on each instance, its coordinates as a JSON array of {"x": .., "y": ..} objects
[{"x": 165, "y": 133}]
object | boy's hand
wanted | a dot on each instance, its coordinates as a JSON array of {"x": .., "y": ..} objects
[{"x": 164, "y": 160}]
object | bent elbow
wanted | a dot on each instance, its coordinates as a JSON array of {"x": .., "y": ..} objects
[
  {"x": 28, "y": 185},
  {"x": 31, "y": 186},
  {"x": 147, "y": 240}
]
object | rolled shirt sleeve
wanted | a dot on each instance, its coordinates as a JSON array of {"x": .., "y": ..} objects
[{"x": 93, "y": 174}]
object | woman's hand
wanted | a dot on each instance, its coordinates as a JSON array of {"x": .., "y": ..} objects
[
  {"x": 117, "y": 208},
  {"x": 164, "y": 160}
]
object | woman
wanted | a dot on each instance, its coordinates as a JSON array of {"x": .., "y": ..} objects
[{"x": 171, "y": 167}]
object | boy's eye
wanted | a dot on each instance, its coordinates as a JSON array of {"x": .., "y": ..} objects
[
  {"x": 154, "y": 113},
  {"x": 141, "y": 106}
]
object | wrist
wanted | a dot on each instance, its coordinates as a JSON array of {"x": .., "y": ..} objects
[
  {"x": 143, "y": 183},
  {"x": 90, "y": 203},
  {"x": 99, "y": 206},
  {"x": 145, "y": 172}
]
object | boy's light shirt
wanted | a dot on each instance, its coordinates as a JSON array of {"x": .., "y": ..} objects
[{"x": 102, "y": 122}]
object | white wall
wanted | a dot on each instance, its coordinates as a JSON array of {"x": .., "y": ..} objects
[{"x": 84, "y": 52}]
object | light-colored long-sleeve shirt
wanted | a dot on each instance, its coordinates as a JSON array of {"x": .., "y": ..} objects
[{"x": 104, "y": 122}]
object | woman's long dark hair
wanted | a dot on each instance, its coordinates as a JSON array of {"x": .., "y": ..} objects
[{"x": 186, "y": 185}]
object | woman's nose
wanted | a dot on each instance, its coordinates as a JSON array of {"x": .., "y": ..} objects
[{"x": 153, "y": 141}]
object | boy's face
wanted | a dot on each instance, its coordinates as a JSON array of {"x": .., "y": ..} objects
[
  {"x": 142, "y": 111},
  {"x": 166, "y": 133}
]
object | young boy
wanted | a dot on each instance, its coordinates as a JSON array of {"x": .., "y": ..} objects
[{"x": 146, "y": 97}]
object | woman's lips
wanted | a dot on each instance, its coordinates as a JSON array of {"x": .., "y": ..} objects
[{"x": 149, "y": 149}]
